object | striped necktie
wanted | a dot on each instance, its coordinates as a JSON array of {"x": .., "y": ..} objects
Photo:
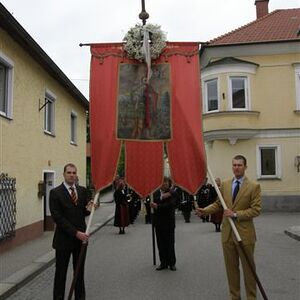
[
  {"x": 73, "y": 196},
  {"x": 236, "y": 190}
]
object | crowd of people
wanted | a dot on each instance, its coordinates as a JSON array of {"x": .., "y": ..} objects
[
  {"x": 129, "y": 204},
  {"x": 242, "y": 207},
  {"x": 70, "y": 203}
]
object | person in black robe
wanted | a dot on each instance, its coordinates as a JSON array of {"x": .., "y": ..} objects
[
  {"x": 133, "y": 200},
  {"x": 186, "y": 205},
  {"x": 121, "y": 219},
  {"x": 206, "y": 196},
  {"x": 217, "y": 217}
]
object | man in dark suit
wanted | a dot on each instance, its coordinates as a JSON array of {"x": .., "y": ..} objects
[
  {"x": 69, "y": 206},
  {"x": 164, "y": 204}
]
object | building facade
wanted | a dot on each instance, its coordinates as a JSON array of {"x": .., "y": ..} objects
[
  {"x": 251, "y": 103},
  {"x": 42, "y": 127}
]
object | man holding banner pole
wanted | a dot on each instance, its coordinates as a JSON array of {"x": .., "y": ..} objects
[
  {"x": 164, "y": 203},
  {"x": 243, "y": 200},
  {"x": 69, "y": 204}
]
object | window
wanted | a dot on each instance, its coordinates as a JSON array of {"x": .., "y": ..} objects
[
  {"x": 268, "y": 161},
  {"x": 297, "y": 79},
  {"x": 73, "y": 128},
  {"x": 211, "y": 95},
  {"x": 238, "y": 93},
  {"x": 6, "y": 80},
  {"x": 49, "y": 115},
  {"x": 3, "y": 88}
]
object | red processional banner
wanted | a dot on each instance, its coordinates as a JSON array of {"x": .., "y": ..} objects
[
  {"x": 145, "y": 117},
  {"x": 186, "y": 150},
  {"x": 105, "y": 148},
  {"x": 144, "y": 166}
]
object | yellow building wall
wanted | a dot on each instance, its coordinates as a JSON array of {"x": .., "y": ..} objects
[
  {"x": 26, "y": 151},
  {"x": 272, "y": 94},
  {"x": 220, "y": 154}
]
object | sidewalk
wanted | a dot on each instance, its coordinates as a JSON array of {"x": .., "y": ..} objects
[{"x": 21, "y": 264}]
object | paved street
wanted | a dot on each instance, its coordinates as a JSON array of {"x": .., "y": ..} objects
[{"x": 120, "y": 266}]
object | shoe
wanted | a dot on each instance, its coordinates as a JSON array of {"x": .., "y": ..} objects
[
  {"x": 173, "y": 268},
  {"x": 161, "y": 267}
]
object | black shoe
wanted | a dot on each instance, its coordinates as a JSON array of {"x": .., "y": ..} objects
[
  {"x": 161, "y": 267},
  {"x": 173, "y": 268}
]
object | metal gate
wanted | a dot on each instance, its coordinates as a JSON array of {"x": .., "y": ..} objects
[{"x": 7, "y": 206}]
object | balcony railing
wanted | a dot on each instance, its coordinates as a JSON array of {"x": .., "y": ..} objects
[{"x": 7, "y": 207}]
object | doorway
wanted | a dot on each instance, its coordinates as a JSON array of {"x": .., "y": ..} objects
[{"x": 49, "y": 185}]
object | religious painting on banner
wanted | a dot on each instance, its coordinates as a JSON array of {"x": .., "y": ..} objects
[
  {"x": 144, "y": 110},
  {"x": 170, "y": 117}
]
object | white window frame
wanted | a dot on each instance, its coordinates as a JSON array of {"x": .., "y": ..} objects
[
  {"x": 247, "y": 92},
  {"x": 277, "y": 149},
  {"x": 74, "y": 117},
  {"x": 297, "y": 84},
  {"x": 205, "y": 108},
  {"x": 50, "y": 99},
  {"x": 46, "y": 203},
  {"x": 9, "y": 64}
]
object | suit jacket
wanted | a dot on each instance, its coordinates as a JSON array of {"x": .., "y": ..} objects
[
  {"x": 69, "y": 218},
  {"x": 164, "y": 215},
  {"x": 247, "y": 205}
]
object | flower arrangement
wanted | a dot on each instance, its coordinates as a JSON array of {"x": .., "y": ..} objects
[{"x": 134, "y": 41}]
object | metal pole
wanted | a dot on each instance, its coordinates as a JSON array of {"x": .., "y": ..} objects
[
  {"x": 153, "y": 233},
  {"x": 83, "y": 247},
  {"x": 240, "y": 242},
  {"x": 143, "y": 15}
]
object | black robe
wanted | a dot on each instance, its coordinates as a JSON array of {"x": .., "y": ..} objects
[{"x": 121, "y": 210}]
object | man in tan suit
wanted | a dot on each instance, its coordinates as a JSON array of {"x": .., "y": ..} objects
[{"x": 242, "y": 198}]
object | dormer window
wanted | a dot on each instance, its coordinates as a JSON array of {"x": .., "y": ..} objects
[
  {"x": 238, "y": 92},
  {"x": 211, "y": 95}
]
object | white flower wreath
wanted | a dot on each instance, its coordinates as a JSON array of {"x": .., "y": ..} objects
[{"x": 134, "y": 41}]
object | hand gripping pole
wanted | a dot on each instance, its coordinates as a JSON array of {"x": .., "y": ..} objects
[{"x": 83, "y": 246}]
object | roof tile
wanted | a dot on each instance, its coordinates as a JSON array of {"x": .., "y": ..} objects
[{"x": 279, "y": 25}]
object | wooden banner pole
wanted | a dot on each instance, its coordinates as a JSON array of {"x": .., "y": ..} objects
[{"x": 83, "y": 246}]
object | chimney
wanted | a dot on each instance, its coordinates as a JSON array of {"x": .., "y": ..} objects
[{"x": 262, "y": 8}]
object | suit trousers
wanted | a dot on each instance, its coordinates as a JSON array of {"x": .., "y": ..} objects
[
  {"x": 165, "y": 237},
  {"x": 61, "y": 267},
  {"x": 232, "y": 256}
]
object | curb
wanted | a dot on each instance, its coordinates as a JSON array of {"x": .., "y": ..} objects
[
  {"x": 293, "y": 232},
  {"x": 14, "y": 282}
]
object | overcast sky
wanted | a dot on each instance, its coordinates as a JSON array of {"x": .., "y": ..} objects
[{"x": 58, "y": 26}]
